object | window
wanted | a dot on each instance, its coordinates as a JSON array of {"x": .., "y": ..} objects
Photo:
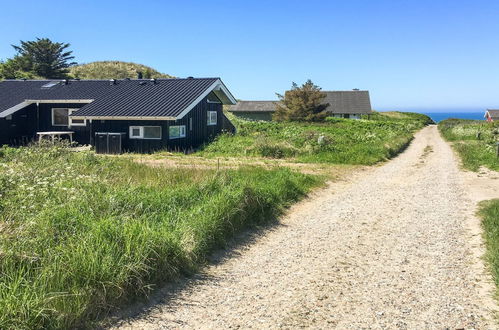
[
  {"x": 190, "y": 124},
  {"x": 50, "y": 84},
  {"x": 212, "y": 118},
  {"x": 152, "y": 132},
  {"x": 177, "y": 132},
  {"x": 145, "y": 132},
  {"x": 60, "y": 117},
  {"x": 212, "y": 98}
]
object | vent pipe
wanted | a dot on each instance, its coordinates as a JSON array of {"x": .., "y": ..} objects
[{"x": 139, "y": 75}]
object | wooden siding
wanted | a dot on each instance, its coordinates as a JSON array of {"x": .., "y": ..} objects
[{"x": 26, "y": 122}]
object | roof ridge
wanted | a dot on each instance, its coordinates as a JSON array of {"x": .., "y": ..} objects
[{"x": 105, "y": 80}]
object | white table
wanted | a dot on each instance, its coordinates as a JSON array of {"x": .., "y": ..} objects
[{"x": 54, "y": 134}]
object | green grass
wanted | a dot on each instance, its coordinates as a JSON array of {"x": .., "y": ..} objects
[
  {"x": 336, "y": 141},
  {"x": 475, "y": 141},
  {"x": 489, "y": 211},
  {"x": 82, "y": 234}
]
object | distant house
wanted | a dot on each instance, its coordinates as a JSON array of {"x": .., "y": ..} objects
[
  {"x": 492, "y": 115},
  {"x": 254, "y": 110},
  {"x": 147, "y": 114},
  {"x": 344, "y": 104}
]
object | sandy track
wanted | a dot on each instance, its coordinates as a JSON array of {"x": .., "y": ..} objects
[{"x": 398, "y": 247}]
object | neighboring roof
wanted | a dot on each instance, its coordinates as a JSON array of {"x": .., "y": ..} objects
[
  {"x": 344, "y": 102},
  {"x": 493, "y": 113},
  {"x": 348, "y": 102},
  {"x": 253, "y": 106},
  {"x": 162, "y": 98}
]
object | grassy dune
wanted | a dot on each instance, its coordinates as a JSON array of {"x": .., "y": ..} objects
[
  {"x": 336, "y": 141},
  {"x": 474, "y": 140},
  {"x": 81, "y": 234}
]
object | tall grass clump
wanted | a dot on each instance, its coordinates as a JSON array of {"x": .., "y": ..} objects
[
  {"x": 474, "y": 140},
  {"x": 338, "y": 141},
  {"x": 82, "y": 234},
  {"x": 489, "y": 211}
]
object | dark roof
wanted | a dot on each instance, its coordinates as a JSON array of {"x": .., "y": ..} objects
[
  {"x": 13, "y": 92},
  {"x": 348, "y": 102},
  {"x": 344, "y": 102},
  {"x": 493, "y": 113},
  {"x": 124, "y": 98},
  {"x": 254, "y": 106}
]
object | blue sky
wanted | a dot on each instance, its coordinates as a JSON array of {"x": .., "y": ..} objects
[{"x": 411, "y": 55}]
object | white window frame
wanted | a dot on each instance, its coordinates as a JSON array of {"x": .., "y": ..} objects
[
  {"x": 141, "y": 130},
  {"x": 182, "y": 132},
  {"x": 70, "y": 120},
  {"x": 210, "y": 119},
  {"x": 71, "y": 123}
]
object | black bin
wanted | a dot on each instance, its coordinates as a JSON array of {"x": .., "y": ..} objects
[{"x": 109, "y": 143}]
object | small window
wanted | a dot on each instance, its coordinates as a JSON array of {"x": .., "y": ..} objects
[
  {"x": 50, "y": 84},
  {"x": 177, "y": 132},
  {"x": 212, "y": 98},
  {"x": 135, "y": 132},
  {"x": 152, "y": 132},
  {"x": 212, "y": 118},
  {"x": 76, "y": 122},
  {"x": 60, "y": 117},
  {"x": 145, "y": 132}
]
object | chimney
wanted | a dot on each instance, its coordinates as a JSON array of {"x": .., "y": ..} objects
[
  {"x": 112, "y": 82},
  {"x": 139, "y": 74},
  {"x": 65, "y": 81},
  {"x": 154, "y": 81}
]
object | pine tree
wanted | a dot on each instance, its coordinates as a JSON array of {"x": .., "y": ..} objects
[
  {"x": 44, "y": 58},
  {"x": 302, "y": 103}
]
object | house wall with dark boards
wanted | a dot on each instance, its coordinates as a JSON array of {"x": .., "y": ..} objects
[
  {"x": 22, "y": 126},
  {"x": 197, "y": 133}
]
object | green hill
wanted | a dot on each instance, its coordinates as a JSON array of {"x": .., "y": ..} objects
[{"x": 114, "y": 70}]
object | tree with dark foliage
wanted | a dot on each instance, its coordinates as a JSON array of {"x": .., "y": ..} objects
[
  {"x": 302, "y": 103},
  {"x": 41, "y": 58}
]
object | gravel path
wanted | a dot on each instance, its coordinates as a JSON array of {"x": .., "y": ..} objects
[{"x": 393, "y": 248}]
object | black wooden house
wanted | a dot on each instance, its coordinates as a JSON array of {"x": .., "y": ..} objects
[{"x": 147, "y": 114}]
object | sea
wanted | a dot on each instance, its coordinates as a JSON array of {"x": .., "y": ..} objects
[{"x": 439, "y": 116}]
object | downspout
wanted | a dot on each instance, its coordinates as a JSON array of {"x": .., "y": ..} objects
[
  {"x": 37, "y": 116},
  {"x": 91, "y": 135}
]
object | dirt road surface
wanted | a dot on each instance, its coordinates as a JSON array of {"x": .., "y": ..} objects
[{"x": 397, "y": 247}]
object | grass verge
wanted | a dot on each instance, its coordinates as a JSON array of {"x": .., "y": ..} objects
[
  {"x": 81, "y": 234},
  {"x": 475, "y": 141},
  {"x": 489, "y": 212}
]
